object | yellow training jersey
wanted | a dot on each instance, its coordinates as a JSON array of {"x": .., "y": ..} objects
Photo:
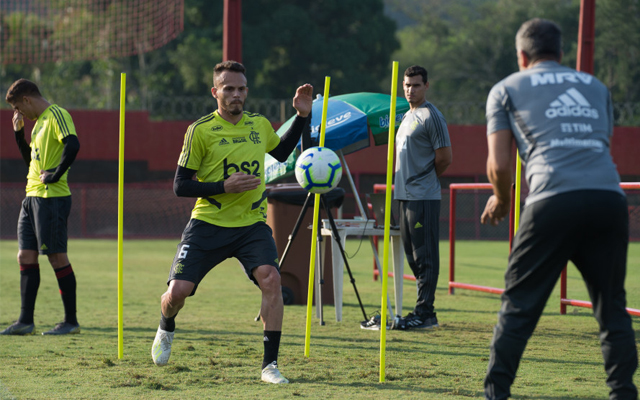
[
  {"x": 53, "y": 125},
  {"x": 217, "y": 149}
]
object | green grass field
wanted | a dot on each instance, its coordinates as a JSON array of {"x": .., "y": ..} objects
[{"x": 218, "y": 349}]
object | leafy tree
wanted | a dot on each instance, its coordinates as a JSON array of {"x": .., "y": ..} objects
[
  {"x": 183, "y": 67},
  {"x": 468, "y": 47},
  {"x": 617, "y": 48},
  {"x": 285, "y": 43},
  {"x": 290, "y": 42}
]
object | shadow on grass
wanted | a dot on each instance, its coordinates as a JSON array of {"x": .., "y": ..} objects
[{"x": 391, "y": 386}]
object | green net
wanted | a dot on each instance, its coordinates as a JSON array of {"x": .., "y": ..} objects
[{"x": 37, "y": 31}]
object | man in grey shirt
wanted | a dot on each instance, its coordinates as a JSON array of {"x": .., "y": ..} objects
[
  {"x": 423, "y": 153},
  {"x": 562, "y": 122}
]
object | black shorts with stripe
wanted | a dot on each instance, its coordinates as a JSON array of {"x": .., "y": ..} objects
[
  {"x": 205, "y": 245},
  {"x": 42, "y": 224}
]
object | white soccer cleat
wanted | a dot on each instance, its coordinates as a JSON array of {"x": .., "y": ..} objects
[
  {"x": 271, "y": 374},
  {"x": 161, "y": 349}
]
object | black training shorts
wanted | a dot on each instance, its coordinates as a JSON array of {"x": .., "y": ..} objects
[
  {"x": 42, "y": 224},
  {"x": 204, "y": 246}
]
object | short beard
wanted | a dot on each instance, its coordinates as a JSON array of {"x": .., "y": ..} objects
[{"x": 234, "y": 111}]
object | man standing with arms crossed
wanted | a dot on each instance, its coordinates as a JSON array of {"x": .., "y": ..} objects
[
  {"x": 562, "y": 122},
  {"x": 226, "y": 151},
  {"x": 42, "y": 225},
  {"x": 423, "y": 153}
]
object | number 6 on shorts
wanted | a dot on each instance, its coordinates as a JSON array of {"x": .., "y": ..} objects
[{"x": 183, "y": 251}]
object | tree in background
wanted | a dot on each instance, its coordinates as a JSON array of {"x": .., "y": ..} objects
[
  {"x": 469, "y": 45},
  {"x": 617, "y": 48},
  {"x": 290, "y": 42},
  {"x": 285, "y": 43}
]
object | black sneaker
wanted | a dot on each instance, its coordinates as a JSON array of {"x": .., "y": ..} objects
[
  {"x": 414, "y": 321},
  {"x": 63, "y": 328},
  {"x": 18, "y": 328},
  {"x": 372, "y": 324},
  {"x": 432, "y": 322}
]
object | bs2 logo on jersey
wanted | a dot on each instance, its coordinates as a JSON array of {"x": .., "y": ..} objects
[{"x": 251, "y": 168}]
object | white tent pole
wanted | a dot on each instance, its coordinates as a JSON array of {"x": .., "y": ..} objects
[{"x": 345, "y": 167}]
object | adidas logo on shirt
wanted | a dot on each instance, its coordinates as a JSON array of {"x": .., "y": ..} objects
[
  {"x": 223, "y": 141},
  {"x": 571, "y": 104}
]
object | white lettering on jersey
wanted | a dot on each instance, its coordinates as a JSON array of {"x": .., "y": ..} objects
[
  {"x": 551, "y": 78},
  {"x": 571, "y": 104},
  {"x": 575, "y": 127},
  {"x": 595, "y": 145}
]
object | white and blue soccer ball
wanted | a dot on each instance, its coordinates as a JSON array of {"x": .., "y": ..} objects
[{"x": 318, "y": 170}]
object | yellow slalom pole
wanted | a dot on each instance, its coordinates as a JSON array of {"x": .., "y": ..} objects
[
  {"x": 314, "y": 232},
  {"x": 123, "y": 90},
  {"x": 516, "y": 202},
  {"x": 387, "y": 219}
]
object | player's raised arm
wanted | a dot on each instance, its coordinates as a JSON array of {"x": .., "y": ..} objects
[
  {"x": 303, "y": 100},
  {"x": 18, "y": 128}
]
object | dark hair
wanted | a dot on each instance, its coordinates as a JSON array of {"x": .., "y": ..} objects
[
  {"x": 415, "y": 70},
  {"x": 227, "y": 66},
  {"x": 20, "y": 88},
  {"x": 540, "y": 39}
]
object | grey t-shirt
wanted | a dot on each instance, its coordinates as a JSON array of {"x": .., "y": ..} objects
[
  {"x": 562, "y": 121},
  {"x": 421, "y": 132}
]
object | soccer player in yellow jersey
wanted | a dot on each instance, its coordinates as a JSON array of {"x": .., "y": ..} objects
[
  {"x": 42, "y": 225},
  {"x": 225, "y": 150}
]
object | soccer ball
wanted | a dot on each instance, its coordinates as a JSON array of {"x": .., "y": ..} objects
[{"x": 318, "y": 170}]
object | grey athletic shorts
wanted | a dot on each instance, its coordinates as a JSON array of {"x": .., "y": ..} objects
[
  {"x": 204, "y": 246},
  {"x": 42, "y": 224}
]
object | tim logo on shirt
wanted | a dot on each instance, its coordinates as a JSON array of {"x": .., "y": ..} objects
[{"x": 571, "y": 104}]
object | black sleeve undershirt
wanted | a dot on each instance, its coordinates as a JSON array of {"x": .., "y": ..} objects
[
  {"x": 23, "y": 146},
  {"x": 306, "y": 135},
  {"x": 69, "y": 153},
  {"x": 290, "y": 139},
  {"x": 185, "y": 186}
]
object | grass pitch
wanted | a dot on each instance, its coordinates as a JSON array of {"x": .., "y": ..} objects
[{"x": 217, "y": 351}]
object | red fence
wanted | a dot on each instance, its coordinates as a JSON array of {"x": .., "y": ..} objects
[
  {"x": 158, "y": 144},
  {"x": 151, "y": 210},
  {"x": 632, "y": 189}
]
